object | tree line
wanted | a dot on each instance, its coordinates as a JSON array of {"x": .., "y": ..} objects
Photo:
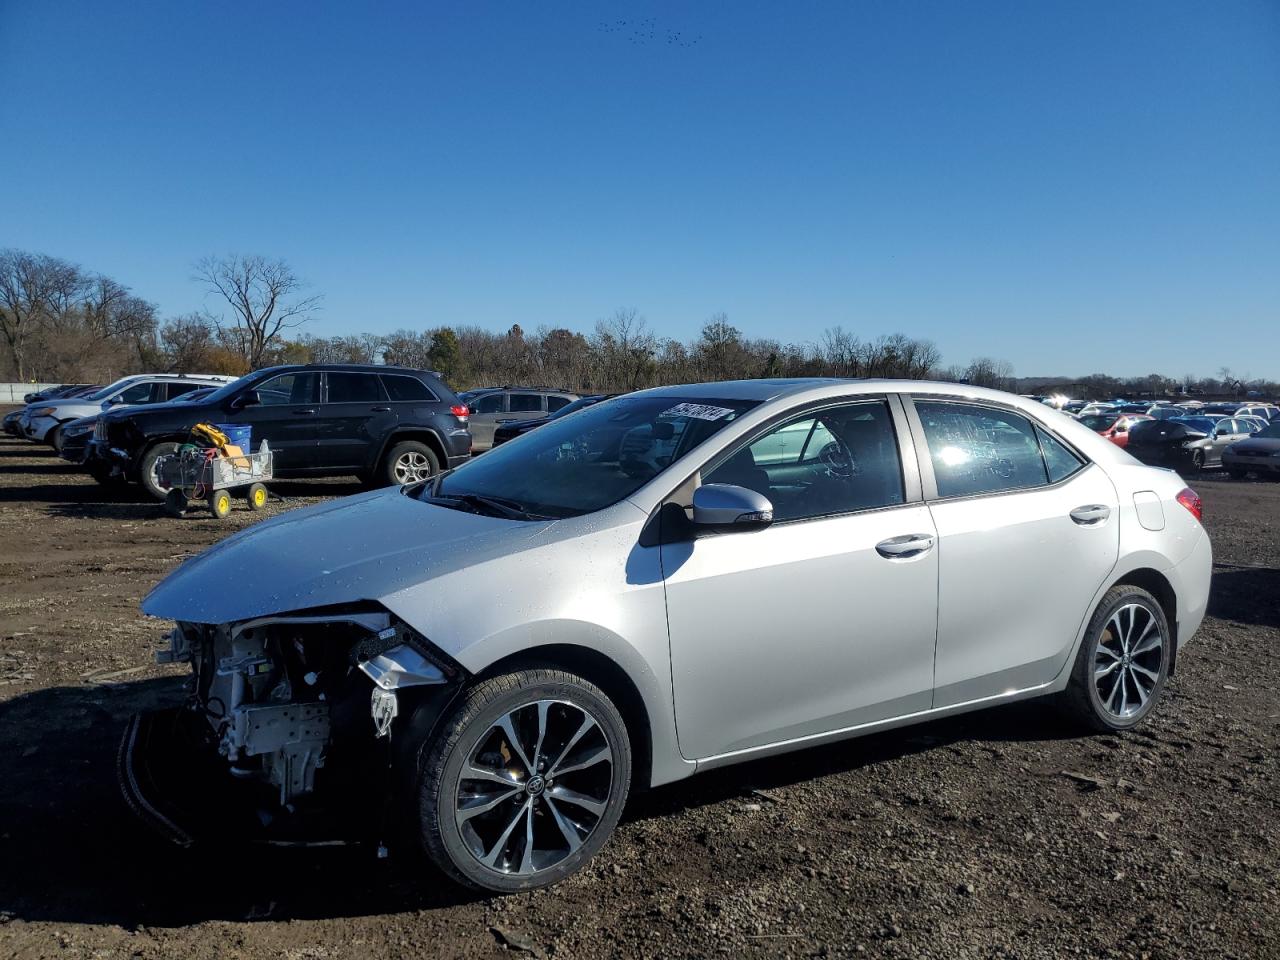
[{"x": 62, "y": 323}]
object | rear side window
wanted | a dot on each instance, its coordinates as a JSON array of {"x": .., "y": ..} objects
[
  {"x": 1059, "y": 461},
  {"x": 401, "y": 387},
  {"x": 354, "y": 388},
  {"x": 526, "y": 403},
  {"x": 980, "y": 449},
  {"x": 177, "y": 388},
  {"x": 557, "y": 403}
]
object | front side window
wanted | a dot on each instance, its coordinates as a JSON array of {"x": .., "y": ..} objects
[
  {"x": 140, "y": 393},
  {"x": 354, "y": 388},
  {"x": 978, "y": 449},
  {"x": 487, "y": 403},
  {"x": 290, "y": 388},
  {"x": 839, "y": 460},
  {"x": 590, "y": 460}
]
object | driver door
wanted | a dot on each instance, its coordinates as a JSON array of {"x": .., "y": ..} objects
[
  {"x": 288, "y": 418},
  {"x": 820, "y": 622}
]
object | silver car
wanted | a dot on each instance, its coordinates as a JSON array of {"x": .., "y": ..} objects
[{"x": 676, "y": 580}]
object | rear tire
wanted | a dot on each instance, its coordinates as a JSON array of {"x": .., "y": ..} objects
[
  {"x": 563, "y": 786},
  {"x": 1122, "y": 664},
  {"x": 147, "y": 468},
  {"x": 409, "y": 462}
]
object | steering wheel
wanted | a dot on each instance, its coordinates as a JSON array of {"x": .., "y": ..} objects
[{"x": 839, "y": 461}]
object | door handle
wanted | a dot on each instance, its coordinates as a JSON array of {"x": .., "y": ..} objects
[
  {"x": 1091, "y": 514},
  {"x": 905, "y": 547},
  {"x": 380, "y": 409},
  {"x": 303, "y": 413}
]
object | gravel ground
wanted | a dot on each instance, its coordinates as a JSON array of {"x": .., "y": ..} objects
[{"x": 998, "y": 834}]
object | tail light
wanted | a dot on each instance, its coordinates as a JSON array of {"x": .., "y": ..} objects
[
  {"x": 460, "y": 411},
  {"x": 1191, "y": 500}
]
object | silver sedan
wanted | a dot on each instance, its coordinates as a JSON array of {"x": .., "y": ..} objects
[{"x": 664, "y": 583}]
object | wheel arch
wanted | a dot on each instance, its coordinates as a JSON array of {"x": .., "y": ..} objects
[
  {"x": 135, "y": 464},
  {"x": 425, "y": 435},
  {"x": 605, "y": 673},
  {"x": 1158, "y": 585}
]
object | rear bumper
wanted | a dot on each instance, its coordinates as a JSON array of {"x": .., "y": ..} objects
[{"x": 1191, "y": 582}]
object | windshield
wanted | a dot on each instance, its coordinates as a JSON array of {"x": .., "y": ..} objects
[
  {"x": 1099, "y": 421},
  {"x": 602, "y": 454},
  {"x": 235, "y": 386},
  {"x": 111, "y": 388}
]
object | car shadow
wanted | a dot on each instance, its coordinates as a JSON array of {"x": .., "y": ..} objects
[
  {"x": 1246, "y": 595},
  {"x": 72, "y": 851},
  {"x": 67, "y": 836},
  {"x": 21, "y": 449},
  {"x": 1024, "y": 721}
]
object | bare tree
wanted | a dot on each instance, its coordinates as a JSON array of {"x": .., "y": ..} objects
[
  {"x": 260, "y": 293},
  {"x": 32, "y": 288}
]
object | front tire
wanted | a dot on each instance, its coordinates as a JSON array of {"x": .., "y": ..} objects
[
  {"x": 524, "y": 782},
  {"x": 147, "y": 468},
  {"x": 54, "y": 439},
  {"x": 1123, "y": 662}
]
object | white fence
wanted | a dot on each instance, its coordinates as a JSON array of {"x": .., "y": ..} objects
[{"x": 14, "y": 392}]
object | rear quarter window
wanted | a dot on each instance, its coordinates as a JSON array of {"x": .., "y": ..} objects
[{"x": 403, "y": 387}]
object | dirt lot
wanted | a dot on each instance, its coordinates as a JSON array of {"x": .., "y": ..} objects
[{"x": 999, "y": 834}]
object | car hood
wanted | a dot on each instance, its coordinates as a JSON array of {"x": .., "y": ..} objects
[
  {"x": 1256, "y": 445},
  {"x": 74, "y": 409},
  {"x": 365, "y": 547}
]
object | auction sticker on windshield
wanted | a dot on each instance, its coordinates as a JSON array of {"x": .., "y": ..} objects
[{"x": 698, "y": 411}]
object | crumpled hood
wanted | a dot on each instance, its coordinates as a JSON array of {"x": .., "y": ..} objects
[{"x": 364, "y": 547}]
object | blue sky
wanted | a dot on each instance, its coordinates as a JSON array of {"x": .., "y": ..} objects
[{"x": 1072, "y": 187}]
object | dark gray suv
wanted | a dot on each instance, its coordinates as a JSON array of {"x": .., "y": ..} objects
[
  {"x": 491, "y": 406},
  {"x": 383, "y": 424}
]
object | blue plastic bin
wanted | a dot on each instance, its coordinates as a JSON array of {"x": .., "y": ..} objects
[{"x": 239, "y": 434}]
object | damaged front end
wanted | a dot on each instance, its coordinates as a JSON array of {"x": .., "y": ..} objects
[{"x": 288, "y": 732}]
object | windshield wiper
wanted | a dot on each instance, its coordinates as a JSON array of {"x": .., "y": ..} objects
[{"x": 494, "y": 506}]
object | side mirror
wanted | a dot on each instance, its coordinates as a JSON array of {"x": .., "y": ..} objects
[
  {"x": 112, "y": 401},
  {"x": 250, "y": 398},
  {"x": 724, "y": 506}
]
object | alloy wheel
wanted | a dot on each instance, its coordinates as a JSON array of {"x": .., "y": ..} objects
[
  {"x": 535, "y": 787},
  {"x": 412, "y": 466},
  {"x": 1128, "y": 660}
]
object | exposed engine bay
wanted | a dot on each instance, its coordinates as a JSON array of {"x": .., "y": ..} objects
[{"x": 290, "y": 706}]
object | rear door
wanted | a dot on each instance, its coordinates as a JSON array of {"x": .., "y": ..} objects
[
  {"x": 524, "y": 406},
  {"x": 1028, "y": 531},
  {"x": 355, "y": 414},
  {"x": 286, "y": 418}
]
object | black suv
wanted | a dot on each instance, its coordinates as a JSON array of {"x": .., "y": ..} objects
[{"x": 383, "y": 424}]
